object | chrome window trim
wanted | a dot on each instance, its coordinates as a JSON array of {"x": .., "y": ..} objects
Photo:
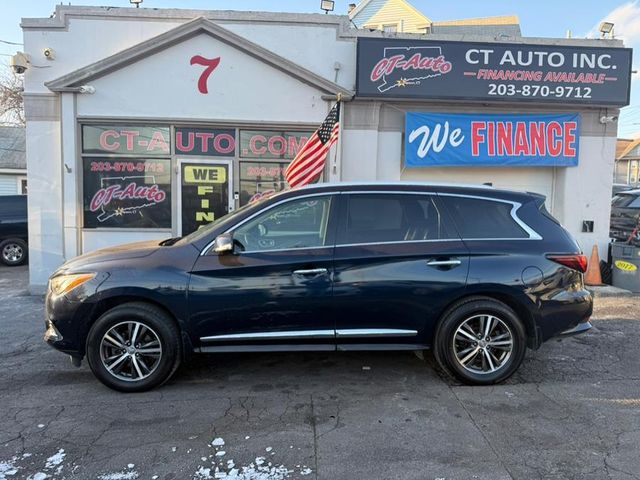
[
  {"x": 533, "y": 235},
  {"x": 271, "y": 335},
  {"x": 396, "y": 242},
  {"x": 287, "y": 249}
]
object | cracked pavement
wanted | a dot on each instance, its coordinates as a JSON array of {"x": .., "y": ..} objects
[{"x": 571, "y": 411}]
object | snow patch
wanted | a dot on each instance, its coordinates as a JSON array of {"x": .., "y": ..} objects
[
  {"x": 8, "y": 468},
  {"x": 132, "y": 475},
  {"x": 221, "y": 453},
  {"x": 55, "y": 459},
  {"x": 38, "y": 476},
  {"x": 217, "y": 442},
  {"x": 203, "y": 473}
]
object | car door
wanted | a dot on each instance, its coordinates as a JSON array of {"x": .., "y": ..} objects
[
  {"x": 397, "y": 263},
  {"x": 275, "y": 289}
]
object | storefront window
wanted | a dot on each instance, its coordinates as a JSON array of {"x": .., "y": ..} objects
[
  {"x": 265, "y": 175},
  {"x": 271, "y": 144},
  {"x": 125, "y": 183},
  {"x": 122, "y": 140},
  {"x": 127, "y": 192},
  {"x": 261, "y": 178}
]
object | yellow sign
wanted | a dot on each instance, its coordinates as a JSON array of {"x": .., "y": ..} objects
[
  {"x": 626, "y": 266},
  {"x": 204, "y": 174}
]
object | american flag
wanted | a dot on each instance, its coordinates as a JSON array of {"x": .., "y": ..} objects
[{"x": 309, "y": 162}]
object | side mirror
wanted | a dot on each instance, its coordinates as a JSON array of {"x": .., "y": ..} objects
[{"x": 223, "y": 244}]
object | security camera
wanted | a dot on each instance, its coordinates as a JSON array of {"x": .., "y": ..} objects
[
  {"x": 608, "y": 119},
  {"x": 49, "y": 53},
  {"x": 90, "y": 89},
  {"x": 19, "y": 62}
]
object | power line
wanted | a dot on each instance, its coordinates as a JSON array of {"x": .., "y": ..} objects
[{"x": 11, "y": 43}]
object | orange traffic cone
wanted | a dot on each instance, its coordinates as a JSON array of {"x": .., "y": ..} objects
[{"x": 593, "y": 277}]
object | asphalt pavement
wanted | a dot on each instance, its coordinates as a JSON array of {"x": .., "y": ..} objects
[{"x": 571, "y": 412}]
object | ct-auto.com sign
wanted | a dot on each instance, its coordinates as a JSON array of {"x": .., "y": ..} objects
[{"x": 441, "y": 70}]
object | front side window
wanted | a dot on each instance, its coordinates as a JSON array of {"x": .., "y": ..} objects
[
  {"x": 477, "y": 218},
  {"x": 295, "y": 224},
  {"x": 381, "y": 218}
]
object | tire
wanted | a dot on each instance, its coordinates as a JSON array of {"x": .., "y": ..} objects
[
  {"x": 146, "y": 363},
  {"x": 477, "y": 361},
  {"x": 13, "y": 252}
]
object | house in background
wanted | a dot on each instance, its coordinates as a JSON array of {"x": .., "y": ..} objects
[
  {"x": 627, "y": 161},
  {"x": 13, "y": 161},
  {"x": 399, "y": 16}
]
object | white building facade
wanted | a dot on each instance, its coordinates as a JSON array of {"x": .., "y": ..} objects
[{"x": 149, "y": 123}]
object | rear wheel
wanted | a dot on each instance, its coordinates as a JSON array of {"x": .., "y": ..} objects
[
  {"x": 134, "y": 347},
  {"x": 13, "y": 252},
  {"x": 481, "y": 341}
]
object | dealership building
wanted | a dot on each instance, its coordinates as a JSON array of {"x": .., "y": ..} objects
[{"x": 147, "y": 123}]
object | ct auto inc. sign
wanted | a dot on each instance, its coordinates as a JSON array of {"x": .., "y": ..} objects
[{"x": 445, "y": 70}]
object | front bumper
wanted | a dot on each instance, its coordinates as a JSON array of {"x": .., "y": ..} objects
[
  {"x": 52, "y": 335},
  {"x": 577, "y": 330}
]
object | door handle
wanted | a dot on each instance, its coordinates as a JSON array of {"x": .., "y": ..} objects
[
  {"x": 453, "y": 262},
  {"x": 312, "y": 271}
]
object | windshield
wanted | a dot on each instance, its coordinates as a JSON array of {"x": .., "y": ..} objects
[{"x": 228, "y": 218}]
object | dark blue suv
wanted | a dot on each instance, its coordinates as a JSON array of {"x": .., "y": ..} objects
[{"x": 475, "y": 274}]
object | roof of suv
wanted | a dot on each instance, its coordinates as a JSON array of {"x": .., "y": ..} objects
[{"x": 458, "y": 188}]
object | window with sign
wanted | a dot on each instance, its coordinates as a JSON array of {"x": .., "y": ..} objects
[
  {"x": 131, "y": 186},
  {"x": 265, "y": 154},
  {"x": 260, "y": 179}
]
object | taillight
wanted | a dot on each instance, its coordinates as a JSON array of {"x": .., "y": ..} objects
[{"x": 576, "y": 262}]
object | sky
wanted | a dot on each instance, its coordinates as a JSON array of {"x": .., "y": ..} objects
[{"x": 538, "y": 18}]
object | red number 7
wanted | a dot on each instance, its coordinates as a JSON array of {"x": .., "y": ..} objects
[{"x": 211, "y": 66}]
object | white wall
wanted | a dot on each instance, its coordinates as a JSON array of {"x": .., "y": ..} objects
[
  {"x": 106, "y": 37},
  {"x": 241, "y": 88},
  {"x": 44, "y": 169},
  {"x": 584, "y": 193}
]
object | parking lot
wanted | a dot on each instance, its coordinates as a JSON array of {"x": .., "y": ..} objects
[{"x": 572, "y": 411}]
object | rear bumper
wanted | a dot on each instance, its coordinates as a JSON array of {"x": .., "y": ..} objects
[{"x": 566, "y": 313}]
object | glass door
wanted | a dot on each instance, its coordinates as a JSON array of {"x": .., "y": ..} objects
[{"x": 205, "y": 192}]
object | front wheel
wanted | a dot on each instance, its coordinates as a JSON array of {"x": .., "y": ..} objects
[
  {"x": 480, "y": 341},
  {"x": 134, "y": 347}
]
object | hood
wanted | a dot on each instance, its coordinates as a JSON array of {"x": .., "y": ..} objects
[{"x": 119, "y": 252}]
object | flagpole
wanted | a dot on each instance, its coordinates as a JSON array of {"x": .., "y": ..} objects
[{"x": 337, "y": 157}]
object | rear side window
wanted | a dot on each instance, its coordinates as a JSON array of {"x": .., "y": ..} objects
[
  {"x": 623, "y": 200},
  {"x": 478, "y": 218},
  {"x": 378, "y": 218},
  {"x": 13, "y": 208}
]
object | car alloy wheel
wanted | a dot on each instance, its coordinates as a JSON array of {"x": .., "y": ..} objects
[
  {"x": 130, "y": 351},
  {"x": 483, "y": 344},
  {"x": 12, "y": 253}
]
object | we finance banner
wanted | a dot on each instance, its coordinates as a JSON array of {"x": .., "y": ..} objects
[{"x": 478, "y": 140}]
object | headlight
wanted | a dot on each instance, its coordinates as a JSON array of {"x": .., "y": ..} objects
[{"x": 65, "y": 283}]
